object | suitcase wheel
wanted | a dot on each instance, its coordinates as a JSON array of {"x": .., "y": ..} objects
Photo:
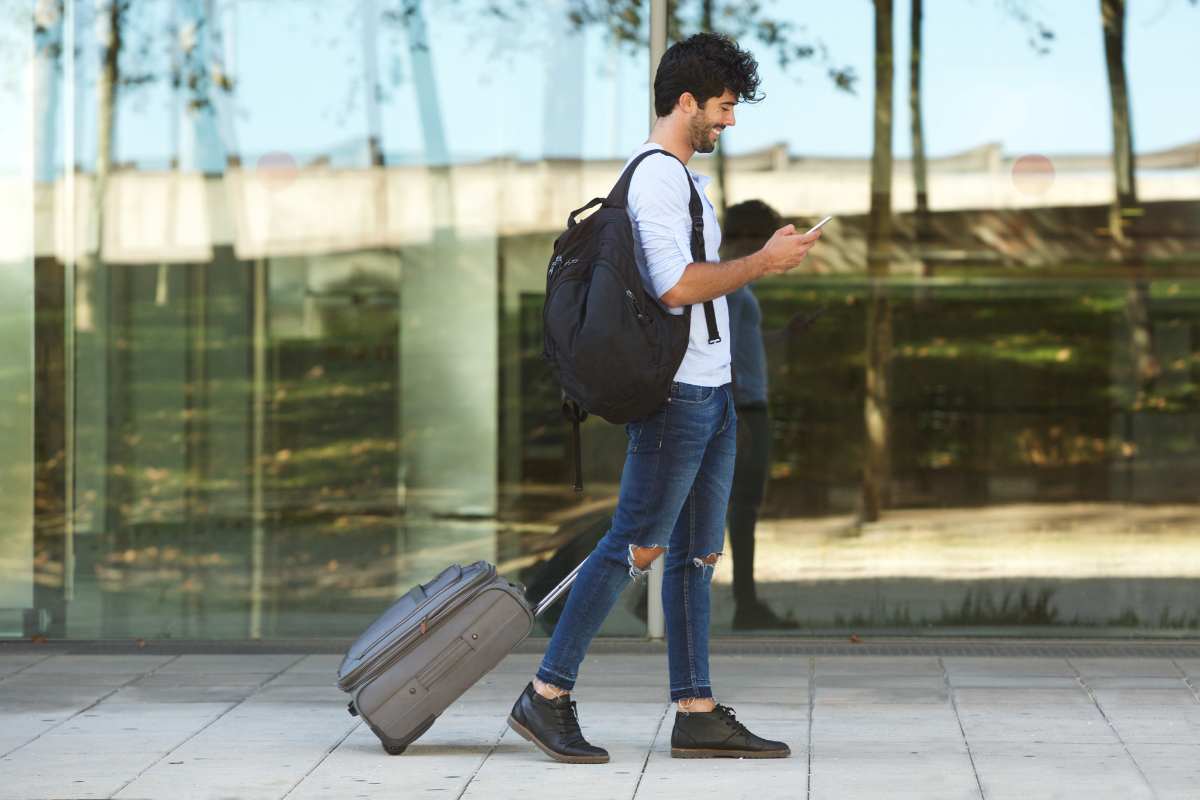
[{"x": 394, "y": 747}]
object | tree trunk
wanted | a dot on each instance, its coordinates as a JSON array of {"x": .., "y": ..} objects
[
  {"x": 1125, "y": 246},
  {"x": 370, "y": 33},
  {"x": 106, "y": 92},
  {"x": 879, "y": 317},
  {"x": 719, "y": 163},
  {"x": 1113, "y": 14},
  {"x": 94, "y": 293},
  {"x": 920, "y": 175}
]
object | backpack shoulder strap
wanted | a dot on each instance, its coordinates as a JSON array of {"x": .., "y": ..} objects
[{"x": 619, "y": 197}]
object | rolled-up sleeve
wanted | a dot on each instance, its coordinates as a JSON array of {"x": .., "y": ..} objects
[{"x": 658, "y": 202}]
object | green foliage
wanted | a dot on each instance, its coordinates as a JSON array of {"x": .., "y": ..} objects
[
  {"x": 979, "y": 607},
  {"x": 791, "y": 44}
]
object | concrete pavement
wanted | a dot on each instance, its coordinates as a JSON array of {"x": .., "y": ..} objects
[{"x": 205, "y": 725}]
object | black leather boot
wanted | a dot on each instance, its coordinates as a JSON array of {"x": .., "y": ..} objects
[
  {"x": 718, "y": 734},
  {"x": 553, "y": 725}
]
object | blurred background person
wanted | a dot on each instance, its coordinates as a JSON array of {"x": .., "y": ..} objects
[{"x": 747, "y": 226}]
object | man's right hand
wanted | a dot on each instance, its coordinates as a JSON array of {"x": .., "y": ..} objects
[{"x": 786, "y": 249}]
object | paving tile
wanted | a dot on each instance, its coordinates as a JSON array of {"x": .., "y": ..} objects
[
  {"x": 179, "y": 688},
  {"x": 749, "y": 779},
  {"x": 15, "y": 662},
  {"x": 1160, "y": 724},
  {"x": 986, "y": 697},
  {"x": 271, "y": 693},
  {"x": 92, "y": 666},
  {"x": 1026, "y": 724},
  {"x": 205, "y": 664},
  {"x": 883, "y": 681},
  {"x": 1068, "y": 771},
  {"x": 55, "y": 694},
  {"x": 95, "y": 753},
  {"x": 882, "y": 695},
  {"x": 439, "y": 764},
  {"x": 255, "y": 727},
  {"x": 1126, "y": 667},
  {"x": 21, "y": 723},
  {"x": 322, "y": 664},
  {"x": 1007, "y": 667},
  {"x": 1180, "y": 696},
  {"x": 256, "y": 751},
  {"x": 1135, "y": 682},
  {"x": 881, "y": 665},
  {"x": 1173, "y": 770},
  {"x": 518, "y": 769},
  {"x": 738, "y": 694},
  {"x": 981, "y": 680},
  {"x": 921, "y": 722},
  {"x": 894, "y": 770},
  {"x": 1189, "y": 666}
]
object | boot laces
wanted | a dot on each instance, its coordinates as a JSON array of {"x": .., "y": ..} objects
[
  {"x": 731, "y": 719},
  {"x": 568, "y": 723}
]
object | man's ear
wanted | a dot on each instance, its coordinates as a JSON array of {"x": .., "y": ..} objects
[{"x": 687, "y": 102}]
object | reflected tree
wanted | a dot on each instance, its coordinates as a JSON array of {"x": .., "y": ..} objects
[
  {"x": 1124, "y": 208},
  {"x": 792, "y": 45},
  {"x": 916, "y": 120},
  {"x": 876, "y": 410},
  {"x": 1039, "y": 36}
]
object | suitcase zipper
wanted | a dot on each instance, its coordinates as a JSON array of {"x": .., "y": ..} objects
[{"x": 369, "y": 668}]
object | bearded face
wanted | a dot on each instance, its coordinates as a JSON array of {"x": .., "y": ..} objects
[{"x": 706, "y": 124}]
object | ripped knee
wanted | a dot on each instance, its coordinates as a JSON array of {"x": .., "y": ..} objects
[
  {"x": 708, "y": 563},
  {"x": 640, "y": 558}
]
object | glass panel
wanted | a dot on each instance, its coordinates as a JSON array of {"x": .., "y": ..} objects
[
  {"x": 288, "y": 332},
  {"x": 307, "y": 349},
  {"x": 19, "y": 107},
  {"x": 1041, "y": 380}
]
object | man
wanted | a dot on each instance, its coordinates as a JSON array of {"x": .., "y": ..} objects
[{"x": 679, "y": 464}]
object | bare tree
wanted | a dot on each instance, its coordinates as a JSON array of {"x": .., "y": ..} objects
[
  {"x": 1125, "y": 200},
  {"x": 110, "y": 19},
  {"x": 722, "y": 169},
  {"x": 791, "y": 44},
  {"x": 1113, "y": 19},
  {"x": 920, "y": 178},
  {"x": 876, "y": 411}
]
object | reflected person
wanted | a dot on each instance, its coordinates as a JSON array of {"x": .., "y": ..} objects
[{"x": 747, "y": 226}]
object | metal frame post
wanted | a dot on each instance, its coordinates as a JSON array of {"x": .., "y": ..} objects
[{"x": 655, "y": 621}]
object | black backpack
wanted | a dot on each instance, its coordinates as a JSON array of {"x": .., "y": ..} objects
[{"x": 612, "y": 346}]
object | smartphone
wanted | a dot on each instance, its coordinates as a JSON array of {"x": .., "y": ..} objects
[{"x": 817, "y": 226}]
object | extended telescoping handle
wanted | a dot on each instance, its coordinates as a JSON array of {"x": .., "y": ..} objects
[{"x": 557, "y": 591}]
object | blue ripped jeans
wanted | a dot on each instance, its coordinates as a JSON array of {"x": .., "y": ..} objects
[{"x": 674, "y": 491}]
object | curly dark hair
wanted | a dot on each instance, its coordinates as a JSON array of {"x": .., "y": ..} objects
[{"x": 705, "y": 65}]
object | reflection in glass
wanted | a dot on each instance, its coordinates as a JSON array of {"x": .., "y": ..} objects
[{"x": 285, "y": 286}]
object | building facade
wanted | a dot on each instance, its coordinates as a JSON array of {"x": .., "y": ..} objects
[{"x": 271, "y": 314}]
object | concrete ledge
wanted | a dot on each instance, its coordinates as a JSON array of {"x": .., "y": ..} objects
[{"x": 882, "y": 646}]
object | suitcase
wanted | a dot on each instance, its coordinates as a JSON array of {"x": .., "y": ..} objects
[{"x": 432, "y": 645}]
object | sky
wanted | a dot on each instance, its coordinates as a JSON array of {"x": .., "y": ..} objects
[{"x": 532, "y": 89}]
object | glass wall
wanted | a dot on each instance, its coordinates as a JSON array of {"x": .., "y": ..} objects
[
  {"x": 281, "y": 311},
  {"x": 1021, "y": 366}
]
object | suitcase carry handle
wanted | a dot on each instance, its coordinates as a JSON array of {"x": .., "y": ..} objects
[{"x": 558, "y": 591}]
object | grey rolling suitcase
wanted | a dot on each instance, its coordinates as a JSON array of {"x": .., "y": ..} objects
[{"x": 432, "y": 645}]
